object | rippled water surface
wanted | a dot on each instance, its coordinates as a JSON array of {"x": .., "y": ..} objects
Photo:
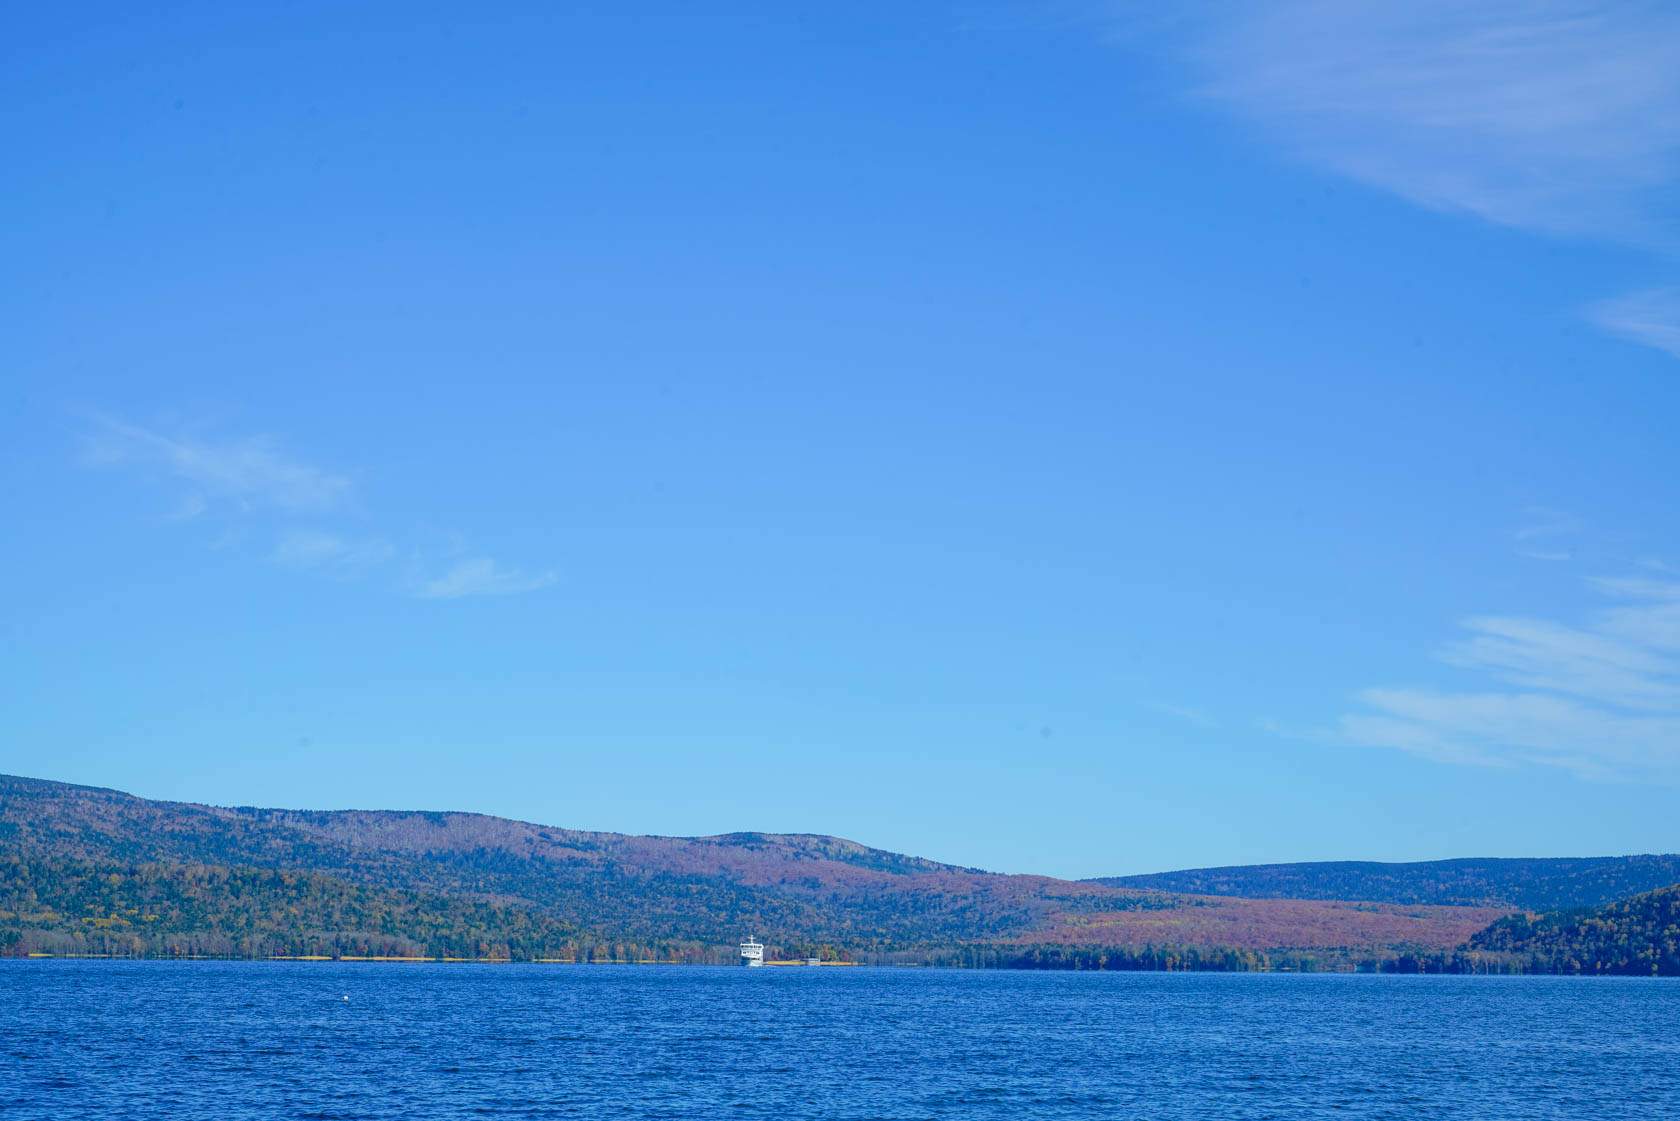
[{"x": 93, "y": 1039}]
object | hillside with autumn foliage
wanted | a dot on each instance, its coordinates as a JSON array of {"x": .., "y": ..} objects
[
  {"x": 1639, "y": 936},
  {"x": 84, "y": 867}
]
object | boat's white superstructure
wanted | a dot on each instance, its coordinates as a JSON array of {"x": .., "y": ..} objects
[{"x": 752, "y": 951}]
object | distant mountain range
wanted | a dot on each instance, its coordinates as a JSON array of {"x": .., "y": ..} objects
[
  {"x": 93, "y": 870},
  {"x": 1515, "y": 884}
]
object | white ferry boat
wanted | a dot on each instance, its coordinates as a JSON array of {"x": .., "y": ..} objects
[{"x": 752, "y": 951}]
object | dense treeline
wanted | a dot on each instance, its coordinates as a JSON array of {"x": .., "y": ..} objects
[
  {"x": 70, "y": 906},
  {"x": 1638, "y": 936},
  {"x": 1535, "y": 884},
  {"x": 1221, "y": 959},
  {"x": 1114, "y": 958},
  {"x": 153, "y": 909}
]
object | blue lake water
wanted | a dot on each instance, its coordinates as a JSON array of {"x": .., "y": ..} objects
[{"x": 106, "y": 1039}]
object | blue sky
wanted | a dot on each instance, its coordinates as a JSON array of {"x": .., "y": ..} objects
[{"x": 1065, "y": 437}]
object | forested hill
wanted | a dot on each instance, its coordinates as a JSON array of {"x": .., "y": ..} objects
[
  {"x": 643, "y": 888},
  {"x": 59, "y": 906},
  {"x": 1537, "y": 884},
  {"x": 1639, "y": 936},
  {"x": 432, "y": 878}
]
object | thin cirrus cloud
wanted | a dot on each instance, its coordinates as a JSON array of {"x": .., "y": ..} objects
[
  {"x": 271, "y": 490},
  {"x": 1601, "y": 699},
  {"x": 314, "y": 549},
  {"x": 1185, "y": 712},
  {"x": 250, "y": 471},
  {"x": 1541, "y": 538},
  {"x": 1651, "y": 318},
  {"x": 1556, "y": 116},
  {"x": 481, "y": 576}
]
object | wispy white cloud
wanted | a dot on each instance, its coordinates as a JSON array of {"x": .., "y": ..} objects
[
  {"x": 1601, "y": 698},
  {"x": 1556, "y": 115},
  {"x": 251, "y": 471},
  {"x": 308, "y": 548},
  {"x": 1184, "y": 712},
  {"x": 1546, "y": 523},
  {"x": 481, "y": 576},
  {"x": 1651, "y": 318},
  {"x": 1394, "y": 726},
  {"x": 192, "y": 504},
  {"x": 1653, "y": 621},
  {"x": 270, "y": 492},
  {"x": 1583, "y": 661},
  {"x": 1538, "y": 538}
]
